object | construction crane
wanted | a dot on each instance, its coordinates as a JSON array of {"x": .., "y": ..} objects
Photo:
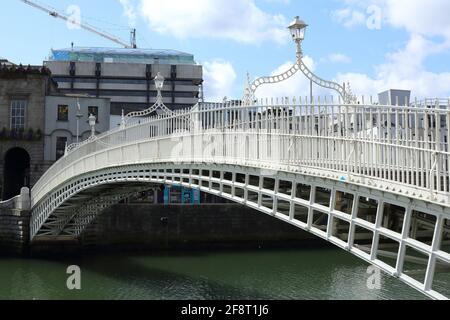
[{"x": 55, "y": 14}]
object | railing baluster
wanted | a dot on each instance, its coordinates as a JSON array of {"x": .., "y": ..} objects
[
  {"x": 347, "y": 152},
  {"x": 318, "y": 140},
  {"x": 427, "y": 148},
  {"x": 437, "y": 117},
  {"x": 447, "y": 176},
  {"x": 364, "y": 145},
  {"x": 355, "y": 140},
  {"x": 311, "y": 133},
  {"x": 397, "y": 142},
  {"x": 407, "y": 151},
  {"x": 333, "y": 136},
  {"x": 371, "y": 152},
  {"x": 381, "y": 149}
]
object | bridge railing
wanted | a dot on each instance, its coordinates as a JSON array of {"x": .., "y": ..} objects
[
  {"x": 406, "y": 145},
  {"x": 19, "y": 202},
  {"x": 428, "y": 103}
]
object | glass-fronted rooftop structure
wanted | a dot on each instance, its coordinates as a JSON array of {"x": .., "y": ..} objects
[{"x": 117, "y": 55}]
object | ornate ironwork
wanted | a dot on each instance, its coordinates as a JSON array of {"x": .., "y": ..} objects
[
  {"x": 159, "y": 104},
  {"x": 75, "y": 146},
  {"x": 344, "y": 91}
]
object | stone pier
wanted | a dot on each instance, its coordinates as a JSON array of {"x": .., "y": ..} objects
[{"x": 15, "y": 224}]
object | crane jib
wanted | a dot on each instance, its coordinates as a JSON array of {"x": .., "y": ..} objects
[{"x": 55, "y": 14}]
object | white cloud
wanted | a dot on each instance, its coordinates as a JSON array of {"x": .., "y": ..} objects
[
  {"x": 219, "y": 79},
  {"x": 427, "y": 18},
  {"x": 349, "y": 18},
  {"x": 405, "y": 68},
  {"x": 279, "y": 1},
  {"x": 338, "y": 58},
  {"x": 239, "y": 20},
  {"x": 129, "y": 11},
  {"x": 426, "y": 85}
]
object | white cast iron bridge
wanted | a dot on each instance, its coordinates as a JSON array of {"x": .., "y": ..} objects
[{"x": 371, "y": 179}]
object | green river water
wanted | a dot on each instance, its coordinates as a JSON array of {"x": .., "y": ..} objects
[{"x": 260, "y": 274}]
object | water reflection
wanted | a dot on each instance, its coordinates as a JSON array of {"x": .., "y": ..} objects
[{"x": 288, "y": 274}]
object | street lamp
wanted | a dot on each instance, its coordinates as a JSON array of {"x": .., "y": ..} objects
[
  {"x": 92, "y": 121},
  {"x": 297, "y": 30},
  {"x": 159, "y": 82},
  {"x": 79, "y": 115},
  {"x": 159, "y": 104}
]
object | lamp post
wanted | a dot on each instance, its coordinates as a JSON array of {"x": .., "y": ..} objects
[
  {"x": 297, "y": 30},
  {"x": 79, "y": 115},
  {"x": 92, "y": 121},
  {"x": 159, "y": 84},
  {"x": 159, "y": 104}
]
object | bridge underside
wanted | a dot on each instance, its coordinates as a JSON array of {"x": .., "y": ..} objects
[
  {"x": 74, "y": 215},
  {"x": 406, "y": 238}
]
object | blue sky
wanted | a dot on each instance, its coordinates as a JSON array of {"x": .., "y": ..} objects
[{"x": 375, "y": 45}]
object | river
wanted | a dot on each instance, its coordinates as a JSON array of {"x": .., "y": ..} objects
[{"x": 260, "y": 274}]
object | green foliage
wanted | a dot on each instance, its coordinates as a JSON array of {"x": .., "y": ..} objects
[
  {"x": 7, "y": 134},
  {"x": 30, "y": 135},
  {"x": 38, "y": 135},
  {"x": 3, "y": 133}
]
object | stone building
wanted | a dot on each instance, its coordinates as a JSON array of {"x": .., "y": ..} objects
[
  {"x": 22, "y": 121},
  {"x": 62, "y": 112}
]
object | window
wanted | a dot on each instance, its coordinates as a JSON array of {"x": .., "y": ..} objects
[
  {"x": 94, "y": 111},
  {"x": 63, "y": 113},
  {"x": 60, "y": 147},
  {"x": 18, "y": 114}
]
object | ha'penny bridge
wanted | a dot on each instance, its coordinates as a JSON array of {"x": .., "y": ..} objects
[{"x": 371, "y": 179}]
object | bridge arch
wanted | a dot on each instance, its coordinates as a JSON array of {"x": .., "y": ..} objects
[{"x": 328, "y": 209}]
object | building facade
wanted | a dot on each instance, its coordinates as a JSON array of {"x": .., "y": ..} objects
[
  {"x": 5, "y": 62},
  {"x": 125, "y": 76},
  {"x": 67, "y": 121},
  {"x": 39, "y": 105},
  {"x": 394, "y": 97},
  {"x": 22, "y": 121}
]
